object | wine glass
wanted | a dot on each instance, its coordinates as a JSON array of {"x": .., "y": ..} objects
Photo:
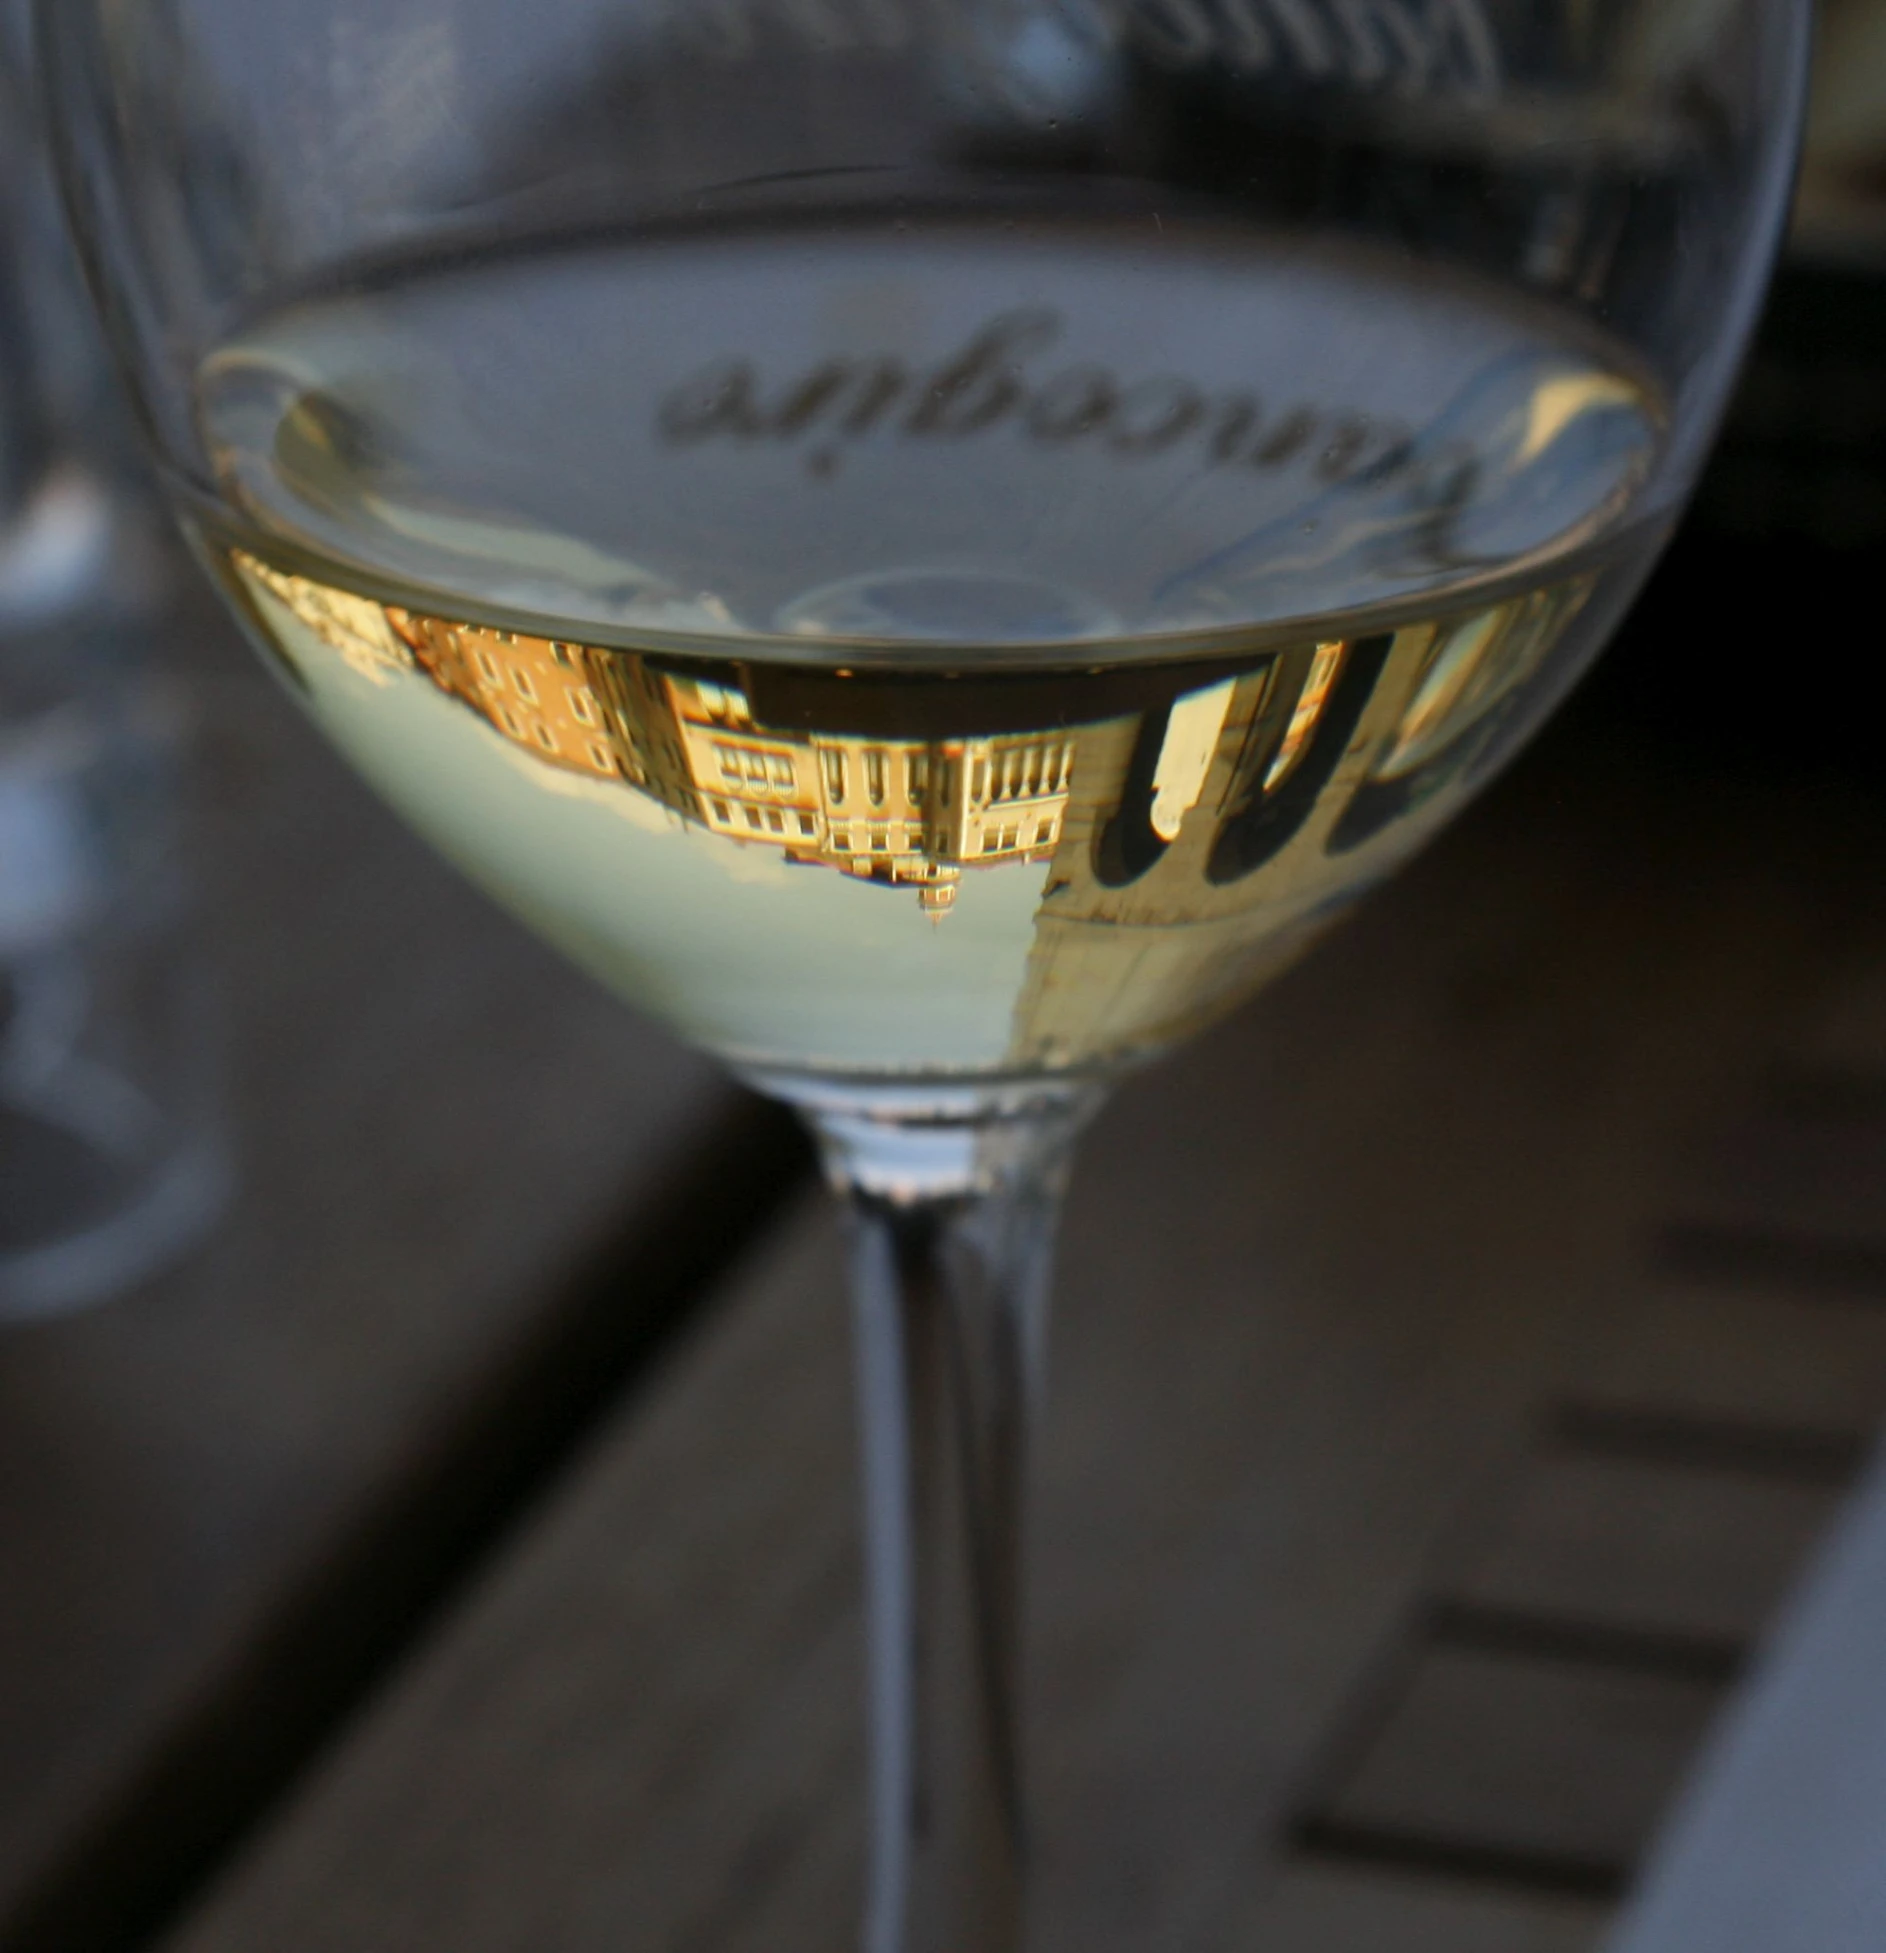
[{"x": 933, "y": 544}]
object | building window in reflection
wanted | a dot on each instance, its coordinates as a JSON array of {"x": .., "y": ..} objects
[
  {"x": 626, "y": 720},
  {"x": 1309, "y": 712}
]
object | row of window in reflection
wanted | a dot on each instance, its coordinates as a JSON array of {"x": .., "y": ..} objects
[{"x": 1031, "y": 770}]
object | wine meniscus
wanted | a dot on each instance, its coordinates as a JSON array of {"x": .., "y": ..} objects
[{"x": 895, "y": 649}]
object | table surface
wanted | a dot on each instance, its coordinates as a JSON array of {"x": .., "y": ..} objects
[
  {"x": 1781, "y": 1837},
  {"x": 1457, "y": 1357}
]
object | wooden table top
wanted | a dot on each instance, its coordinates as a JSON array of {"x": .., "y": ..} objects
[
  {"x": 221, "y": 1496},
  {"x": 1457, "y": 1356},
  {"x": 1781, "y": 1837}
]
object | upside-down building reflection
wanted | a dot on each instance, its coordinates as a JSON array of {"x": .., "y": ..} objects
[
  {"x": 1194, "y": 830},
  {"x": 906, "y": 812},
  {"x": 1208, "y": 844}
]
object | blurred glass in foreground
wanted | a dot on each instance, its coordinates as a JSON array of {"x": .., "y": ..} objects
[{"x": 110, "y": 1156}]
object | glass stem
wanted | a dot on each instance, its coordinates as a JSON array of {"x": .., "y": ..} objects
[{"x": 952, "y": 1232}]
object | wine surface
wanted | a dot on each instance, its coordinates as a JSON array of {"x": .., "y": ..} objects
[{"x": 897, "y": 650}]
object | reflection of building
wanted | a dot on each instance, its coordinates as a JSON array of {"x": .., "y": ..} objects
[
  {"x": 1205, "y": 847},
  {"x": 898, "y": 811},
  {"x": 1131, "y": 958},
  {"x": 1197, "y": 829},
  {"x": 536, "y": 691}
]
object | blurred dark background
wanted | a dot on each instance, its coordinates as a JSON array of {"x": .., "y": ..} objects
[{"x": 1751, "y": 640}]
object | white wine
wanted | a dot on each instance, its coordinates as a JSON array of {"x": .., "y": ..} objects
[{"x": 887, "y": 649}]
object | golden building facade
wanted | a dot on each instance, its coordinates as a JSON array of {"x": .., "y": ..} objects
[
  {"x": 897, "y": 811},
  {"x": 536, "y": 691},
  {"x": 902, "y": 812}
]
